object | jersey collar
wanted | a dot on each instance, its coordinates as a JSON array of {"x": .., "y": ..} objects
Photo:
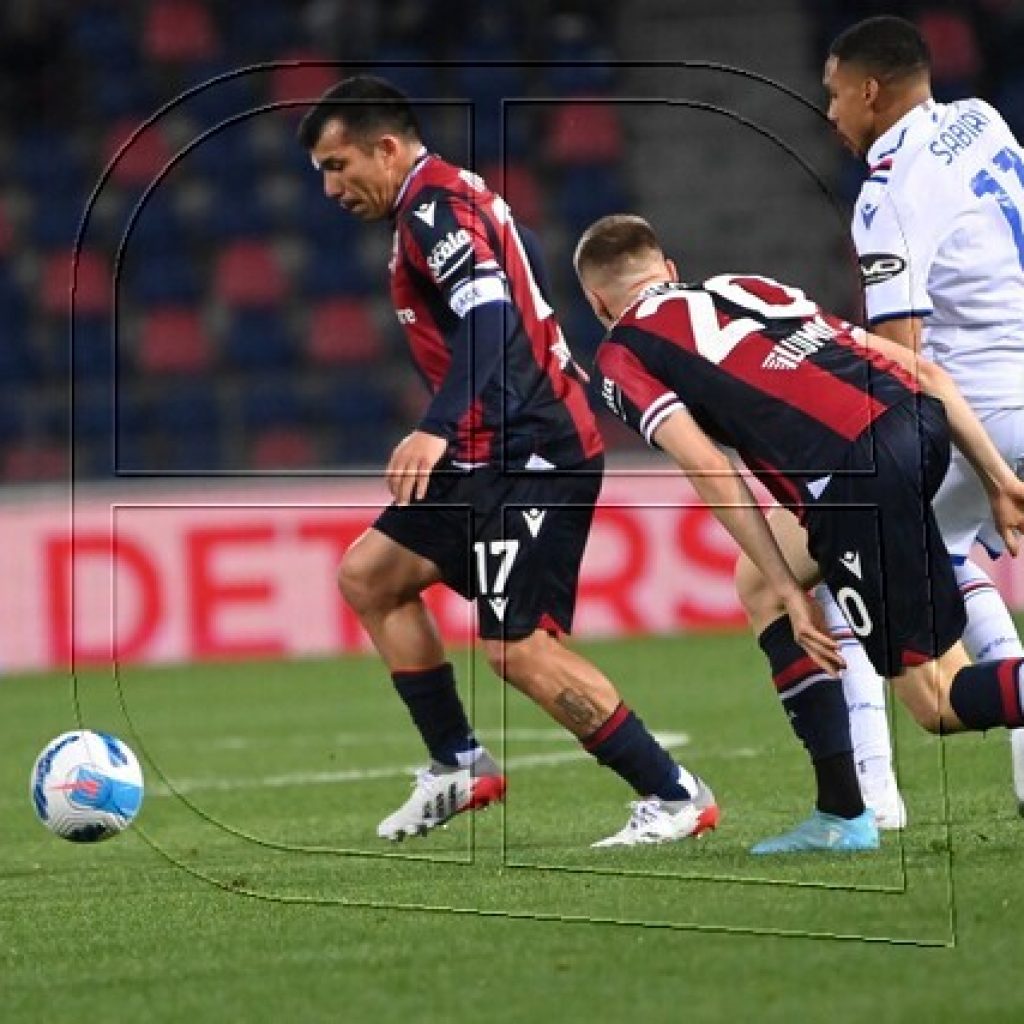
[
  {"x": 421, "y": 158},
  {"x": 915, "y": 121}
]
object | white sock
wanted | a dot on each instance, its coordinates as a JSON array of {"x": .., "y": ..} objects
[
  {"x": 687, "y": 781},
  {"x": 990, "y": 634},
  {"x": 864, "y": 689}
]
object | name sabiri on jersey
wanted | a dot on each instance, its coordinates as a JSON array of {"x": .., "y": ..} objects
[{"x": 789, "y": 352}]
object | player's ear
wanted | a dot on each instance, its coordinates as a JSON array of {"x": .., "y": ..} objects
[
  {"x": 597, "y": 304},
  {"x": 870, "y": 89},
  {"x": 673, "y": 272}
]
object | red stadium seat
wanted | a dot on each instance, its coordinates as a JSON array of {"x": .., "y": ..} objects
[
  {"x": 145, "y": 156},
  {"x": 174, "y": 341},
  {"x": 179, "y": 30},
  {"x": 93, "y": 283},
  {"x": 283, "y": 448},
  {"x": 28, "y": 462},
  {"x": 302, "y": 84},
  {"x": 953, "y": 45},
  {"x": 518, "y": 185},
  {"x": 5, "y": 231},
  {"x": 584, "y": 133},
  {"x": 341, "y": 331},
  {"x": 247, "y": 275}
]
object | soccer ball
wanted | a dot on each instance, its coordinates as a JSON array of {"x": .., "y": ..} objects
[{"x": 86, "y": 786}]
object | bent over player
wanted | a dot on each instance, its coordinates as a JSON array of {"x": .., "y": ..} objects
[
  {"x": 495, "y": 488},
  {"x": 841, "y": 427}
]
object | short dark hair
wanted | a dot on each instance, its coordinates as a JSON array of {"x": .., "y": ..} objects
[
  {"x": 887, "y": 46},
  {"x": 367, "y": 105},
  {"x": 612, "y": 240}
]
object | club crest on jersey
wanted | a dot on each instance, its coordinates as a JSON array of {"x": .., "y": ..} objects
[{"x": 791, "y": 351}]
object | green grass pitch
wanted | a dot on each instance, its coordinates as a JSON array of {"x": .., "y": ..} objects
[{"x": 253, "y": 887}]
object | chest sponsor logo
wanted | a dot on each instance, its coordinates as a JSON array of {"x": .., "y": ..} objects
[
  {"x": 876, "y": 267},
  {"x": 450, "y": 246}
]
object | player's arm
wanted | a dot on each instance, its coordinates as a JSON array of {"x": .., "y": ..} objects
[
  {"x": 903, "y": 330},
  {"x": 726, "y": 493},
  {"x": 1005, "y": 491}
]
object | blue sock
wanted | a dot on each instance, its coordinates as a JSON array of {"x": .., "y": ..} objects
[
  {"x": 437, "y": 713},
  {"x": 624, "y": 745},
  {"x": 816, "y": 708},
  {"x": 988, "y": 694}
]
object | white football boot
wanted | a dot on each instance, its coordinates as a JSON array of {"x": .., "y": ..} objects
[
  {"x": 439, "y": 793},
  {"x": 664, "y": 821}
]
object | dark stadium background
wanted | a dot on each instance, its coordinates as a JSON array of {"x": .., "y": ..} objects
[{"x": 236, "y": 321}]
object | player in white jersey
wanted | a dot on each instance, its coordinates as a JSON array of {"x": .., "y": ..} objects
[{"x": 939, "y": 232}]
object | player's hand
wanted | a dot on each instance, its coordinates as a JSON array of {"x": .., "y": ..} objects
[
  {"x": 812, "y": 634},
  {"x": 411, "y": 463},
  {"x": 1008, "y": 514}
]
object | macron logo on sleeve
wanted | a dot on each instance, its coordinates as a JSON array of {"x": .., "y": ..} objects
[
  {"x": 425, "y": 212},
  {"x": 868, "y": 211}
]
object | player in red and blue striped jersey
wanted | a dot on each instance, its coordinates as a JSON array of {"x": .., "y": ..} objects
[
  {"x": 850, "y": 432},
  {"x": 495, "y": 488}
]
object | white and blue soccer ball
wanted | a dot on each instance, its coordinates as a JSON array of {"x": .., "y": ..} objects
[{"x": 86, "y": 786}]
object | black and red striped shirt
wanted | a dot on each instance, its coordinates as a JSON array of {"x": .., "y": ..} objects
[
  {"x": 457, "y": 247},
  {"x": 760, "y": 367}
]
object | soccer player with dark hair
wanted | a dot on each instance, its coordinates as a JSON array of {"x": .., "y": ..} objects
[
  {"x": 495, "y": 488},
  {"x": 851, "y": 432},
  {"x": 939, "y": 231}
]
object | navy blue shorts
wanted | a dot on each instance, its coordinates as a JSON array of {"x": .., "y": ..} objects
[
  {"x": 511, "y": 541},
  {"x": 875, "y": 538}
]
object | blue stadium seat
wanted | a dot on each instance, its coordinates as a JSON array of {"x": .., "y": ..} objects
[
  {"x": 258, "y": 340},
  {"x": 161, "y": 279},
  {"x": 99, "y": 31},
  {"x": 259, "y": 27},
  {"x": 47, "y": 163},
  {"x": 236, "y": 211},
  {"x": 334, "y": 270},
  {"x": 188, "y": 407},
  {"x": 12, "y": 413},
  {"x": 92, "y": 347},
  {"x": 215, "y": 103},
  {"x": 587, "y": 193},
  {"x": 156, "y": 227},
  {"x": 273, "y": 404},
  {"x": 419, "y": 82}
]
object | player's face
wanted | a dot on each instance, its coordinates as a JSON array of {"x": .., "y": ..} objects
[
  {"x": 851, "y": 94},
  {"x": 362, "y": 180}
]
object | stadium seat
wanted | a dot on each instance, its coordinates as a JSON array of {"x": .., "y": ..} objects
[
  {"x": 258, "y": 340},
  {"x": 247, "y": 275},
  {"x": 956, "y": 58},
  {"x": 341, "y": 332},
  {"x": 145, "y": 152},
  {"x": 189, "y": 417},
  {"x": 155, "y": 226},
  {"x": 273, "y": 404},
  {"x": 92, "y": 348},
  {"x": 178, "y": 31},
  {"x": 174, "y": 340},
  {"x": 584, "y": 133},
  {"x": 56, "y": 219},
  {"x": 160, "y": 278},
  {"x": 237, "y": 211},
  {"x": 516, "y": 182},
  {"x": 590, "y": 192},
  {"x": 6, "y": 232},
  {"x": 334, "y": 270},
  {"x": 93, "y": 283},
  {"x": 258, "y": 27},
  {"x": 283, "y": 448},
  {"x": 48, "y": 164},
  {"x": 35, "y": 461},
  {"x": 295, "y": 87},
  {"x": 232, "y": 93}
]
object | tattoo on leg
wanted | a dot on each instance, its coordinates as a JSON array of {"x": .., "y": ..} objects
[{"x": 579, "y": 709}]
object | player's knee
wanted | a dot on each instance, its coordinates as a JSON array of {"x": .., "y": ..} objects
[
  {"x": 514, "y": 661},
  {"x": 355, "y": 581},
  {"x": 756, "y": 597}
]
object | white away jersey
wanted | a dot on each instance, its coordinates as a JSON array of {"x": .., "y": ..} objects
[{"x": 939, "y": 230}]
